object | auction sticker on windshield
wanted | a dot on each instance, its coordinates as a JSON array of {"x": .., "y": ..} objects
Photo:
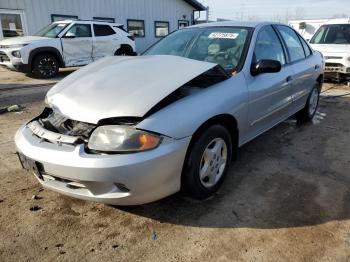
[{"x": 223, "y": 35}]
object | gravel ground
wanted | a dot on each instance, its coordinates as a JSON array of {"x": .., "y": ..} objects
[{"x": 285, "y": 199}]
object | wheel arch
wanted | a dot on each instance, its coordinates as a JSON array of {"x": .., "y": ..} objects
[
  {"x": 320, "y": 80},
  {"x": 226, "y": 120},
  {"x": 45, "y": 50}
]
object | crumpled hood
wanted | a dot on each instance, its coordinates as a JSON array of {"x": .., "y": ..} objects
[
  {"x": 21, "y": 40},
  {"x": 332, "y": 49},
  {"x": 122, "y": 86}
]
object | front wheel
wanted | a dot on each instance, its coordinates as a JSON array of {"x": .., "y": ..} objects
[
  {"x": 45, "y": 66},
  {"x": 207, "y": 162},
  {"x": 310, "y": 109}
]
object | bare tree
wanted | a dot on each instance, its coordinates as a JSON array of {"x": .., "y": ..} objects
[{"x": 277, "y": 18}]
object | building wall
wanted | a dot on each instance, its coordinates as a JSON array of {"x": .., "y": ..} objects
[{"x": 38, "y": 13}]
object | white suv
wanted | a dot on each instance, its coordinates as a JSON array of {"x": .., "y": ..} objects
[
  {"x": 65, "y": 44},
  {"x": 333, "y": 41}
]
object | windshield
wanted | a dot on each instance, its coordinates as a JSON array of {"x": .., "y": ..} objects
[
  {"x": 52, "y": 30},
  {"x": 332, "y": 34},
  {"x": 220, "y": 45}
]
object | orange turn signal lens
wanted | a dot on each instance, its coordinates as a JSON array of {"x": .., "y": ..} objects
[{"x": 148, "y": 141}]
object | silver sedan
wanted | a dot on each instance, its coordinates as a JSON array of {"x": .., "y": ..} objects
[{"x": 131, "y": 130}]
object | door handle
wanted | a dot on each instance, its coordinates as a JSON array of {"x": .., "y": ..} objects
[
  {"x": 317, "y": 67},
  {"x": 289, "y": 79}
]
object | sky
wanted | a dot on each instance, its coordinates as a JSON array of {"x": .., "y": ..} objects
[{"x": 276, "y": 9}]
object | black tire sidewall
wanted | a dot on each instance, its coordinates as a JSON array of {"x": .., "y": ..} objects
[
  {"x": 122, "y": 51},
  {"x": 304, "y": 114},
  {"x": 191, "y": 180}
]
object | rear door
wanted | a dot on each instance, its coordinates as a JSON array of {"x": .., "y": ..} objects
[
  {"x": 105, "y": 41},
  {"x": 303, "y": 66},
  {"x": 77, "y": 45},
  {"x": 270, "y": 93}
]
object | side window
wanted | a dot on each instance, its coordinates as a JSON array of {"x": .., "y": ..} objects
[
  {"x": 103, "y": 30},
  {"x": 295, "y": 49},
  {"x": 79, "y": 30},
  {"x": 306, "y": 47},
  {"x": 268, "y": 46}
]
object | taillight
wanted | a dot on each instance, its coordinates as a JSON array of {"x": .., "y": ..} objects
[{"x": 131, "y": 37}]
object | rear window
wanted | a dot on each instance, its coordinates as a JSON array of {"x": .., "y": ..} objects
[
  {"x": 103, "y": 30},
  {"x": 295, "y": 48},
  {"x": 306, "y": 47}
]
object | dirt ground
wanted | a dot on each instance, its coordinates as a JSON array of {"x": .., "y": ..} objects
[{"x": 286, "y": 198}]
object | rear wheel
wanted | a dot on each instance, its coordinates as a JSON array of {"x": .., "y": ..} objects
[
  {"x": 310, "y": 109},
  {"x": 124, "y": 51},
  {"x": 207, "y": 162},
  {"x": 45, "y": 66}
]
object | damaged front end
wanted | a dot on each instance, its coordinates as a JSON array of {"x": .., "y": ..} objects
[
  {"x": 51, "y": 126},
  {"x": 107, "y": 104}
]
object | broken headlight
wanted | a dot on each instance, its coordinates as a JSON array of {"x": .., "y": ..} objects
[{"x": 122, "y": 139}]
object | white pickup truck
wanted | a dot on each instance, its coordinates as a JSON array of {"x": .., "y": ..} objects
[
  {"x": 66, "y": 43},
  {"x": 333, "y": 41}
]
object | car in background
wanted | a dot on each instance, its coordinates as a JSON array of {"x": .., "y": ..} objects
[
  {"x": 67, "y": 43},
  {"x": 333, "y": 41},
  {"x": 131, "y": 130}
]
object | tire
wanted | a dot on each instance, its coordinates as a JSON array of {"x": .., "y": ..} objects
[
  {"x": 123, "y": 52},
  {"x": 204, "y": 160},
  {"x": 310, "y": 109},
  {"x": 45, "y": 66}
]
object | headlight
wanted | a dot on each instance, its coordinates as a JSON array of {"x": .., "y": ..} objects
[
  {"x": 122, "y": 139},
  {"x": 16, "y": 54}
]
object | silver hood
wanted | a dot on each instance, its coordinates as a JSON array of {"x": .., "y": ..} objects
[
  {"x": 122, "y": 86},
  {"x": 21, "y": 40}
]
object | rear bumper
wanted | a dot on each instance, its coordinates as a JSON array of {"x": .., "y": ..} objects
[{"x": 148, "y": 176}]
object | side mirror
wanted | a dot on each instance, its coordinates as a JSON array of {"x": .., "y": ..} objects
[
  {"x": 70, "y": 35},
  {"x": 265, "y": 66}
]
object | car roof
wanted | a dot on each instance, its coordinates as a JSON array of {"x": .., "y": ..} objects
[
  {"x": 252, "y": 24},
  {"x": 87, "y": 22}
]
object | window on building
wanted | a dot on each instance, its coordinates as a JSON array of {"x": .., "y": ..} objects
[
  {"x": 11, "y": 25},
  {"x": 161, "y": 28},
  {"x": 136, "y": 28},
  {"x": 104, "y": 19},
  {"x": 103, "y": 30},
  {"x": 57, "y": 17},
  {"x": 79, "y": 30},
  {"x": 183, "y": 24}
]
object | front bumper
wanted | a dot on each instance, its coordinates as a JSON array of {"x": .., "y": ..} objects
[
  {"x": 149, "y": 176},
  {"x": 12, "y": 62}
]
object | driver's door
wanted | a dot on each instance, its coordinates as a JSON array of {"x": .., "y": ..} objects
[
  {"x": 77, "y": 45},
  {"x": 270, "y": 94}
]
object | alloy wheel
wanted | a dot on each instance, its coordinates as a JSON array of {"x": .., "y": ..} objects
[
  {"x": 313, "y": 102},
  {"x": 47, "y": 66},
  {"x": 213, "y": 162}
]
